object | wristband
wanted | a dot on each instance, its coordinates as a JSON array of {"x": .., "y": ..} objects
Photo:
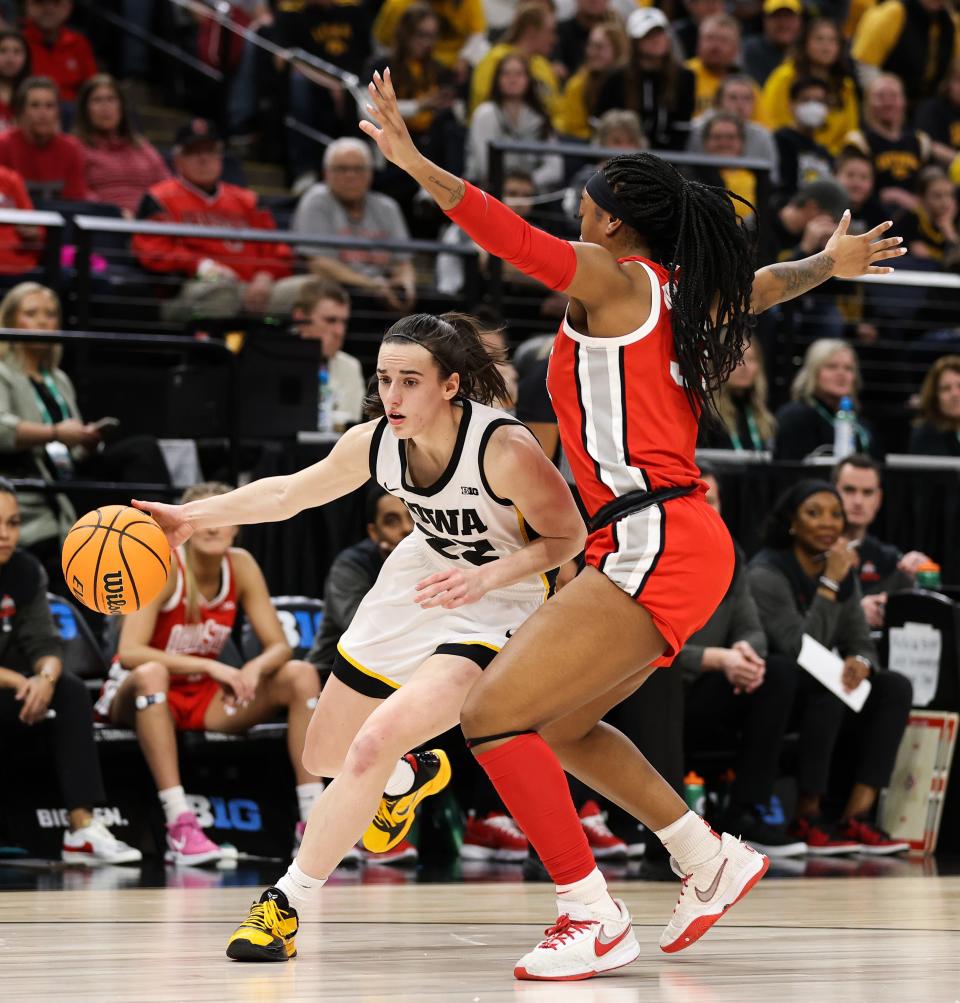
[
  {"x": 829, "y": 583},
  {"x": 864, "y": 661}
]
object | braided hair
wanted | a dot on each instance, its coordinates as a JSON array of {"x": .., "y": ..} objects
[
  {"x": 693, "y": 232},
  {"x": 453, "y": 339}
]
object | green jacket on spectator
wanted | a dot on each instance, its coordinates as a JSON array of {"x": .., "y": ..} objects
[{"x": 43, "y": 517}]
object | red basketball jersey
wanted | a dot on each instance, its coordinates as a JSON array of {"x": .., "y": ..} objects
[
  {"x": 624, "y": 419},
  {"x": 206, "y": 638}
]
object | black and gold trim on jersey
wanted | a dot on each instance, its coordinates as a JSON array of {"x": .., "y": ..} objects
[
  {"x": 361, "y": 679},
  {"x": 488, "y": 431},
  {"x": 444, "y": 479},
  {"x": 476, "y": 651},
  {"x": 528, "y": 533}
]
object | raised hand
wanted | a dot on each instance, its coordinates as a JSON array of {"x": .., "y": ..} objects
[
  {"x": 392, "y": 136},
  {"x": 853, "y": 256}
]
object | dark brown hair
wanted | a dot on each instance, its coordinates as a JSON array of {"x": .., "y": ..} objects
[
  {"x": 453, "y": 339},
  {"x": 929, "y": 400},
  {"x": 27, "y": 61},
  {"x": 83, "y": 127},
  {"x": 531, "y": 96},
  {"x": 32, "y": 84},
  {"x": 404, "y": 82}
]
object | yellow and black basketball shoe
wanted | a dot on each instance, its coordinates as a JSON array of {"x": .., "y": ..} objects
[
  {"x": 431, "y": 773},
  {"x": 267, "y": 934}
]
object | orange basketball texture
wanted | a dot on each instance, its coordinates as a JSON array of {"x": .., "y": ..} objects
[{"x": 115, "y": 559}]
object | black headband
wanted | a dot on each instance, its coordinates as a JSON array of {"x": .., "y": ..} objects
[{"x": 603, "y": 195}]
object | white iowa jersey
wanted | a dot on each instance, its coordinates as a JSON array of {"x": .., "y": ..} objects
[{"x": 458, "y": 518}]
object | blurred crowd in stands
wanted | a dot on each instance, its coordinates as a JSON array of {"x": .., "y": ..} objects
[{"x": 242, "y": 116}]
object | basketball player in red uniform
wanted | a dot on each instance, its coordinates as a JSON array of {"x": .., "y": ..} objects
[
  {"x": 662, "y": 289},
  {"x": 169, "y": 676}
]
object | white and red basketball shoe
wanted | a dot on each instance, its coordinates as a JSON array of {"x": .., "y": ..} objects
[
  {"x": 710, "y": 890},
  {"x": 579, "y": 946},
  {"x": 494, "y": 837},
  {"x": 603, "y": 843},
  {"x": 96, "y": 844}
]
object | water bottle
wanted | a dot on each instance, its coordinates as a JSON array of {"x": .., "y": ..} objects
[
  {"x": 928, "y": 575},
  {"x": 695, "y": 792},
  {"x": 844, "y": 430},
  {"x": 324, "y": 401}
]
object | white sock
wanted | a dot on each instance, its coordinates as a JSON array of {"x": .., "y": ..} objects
[
  {"x": 401, "y": 780},
  {"x": 299, "y": 888},
  {"x": 690, "y": 841},
  {"x": 174, "y": 802},
  {"x": 590, "y": 892},
  {"x": 306, "y": 795}
]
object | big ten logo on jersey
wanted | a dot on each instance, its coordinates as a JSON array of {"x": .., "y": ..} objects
[
  {"x": 453, "y": 522},
  {"x": 300, "y": 626},
  {"x": 240, "y": 814},
  {"x": 59, "y": 818}
]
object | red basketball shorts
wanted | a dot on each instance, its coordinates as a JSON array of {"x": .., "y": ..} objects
[{"x": 676, "y": 560}]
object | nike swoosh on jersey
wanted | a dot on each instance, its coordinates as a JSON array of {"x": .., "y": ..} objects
[
  {"x": 602, "y": 946},
  {"x": 712, "y": 890}
]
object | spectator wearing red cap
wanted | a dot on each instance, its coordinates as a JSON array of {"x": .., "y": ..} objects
[
  {"x": 36, "y": 149},
  {"x": 226, "y": 277},
  {"x": 56, "y": 51}
]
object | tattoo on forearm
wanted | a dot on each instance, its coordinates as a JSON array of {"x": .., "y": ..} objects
[
  {"x": 798, "y": 277},
  {"x": 454, "y": 192}
]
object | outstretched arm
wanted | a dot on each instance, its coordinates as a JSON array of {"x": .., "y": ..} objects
[
  {"x": 844, "y": 257},
  {"x": 586, "y": 272},
  {"x": 272, "y": 499}
]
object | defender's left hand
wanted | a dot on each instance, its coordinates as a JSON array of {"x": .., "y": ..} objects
[
  {"x": 853, "y": 256},
  {"x": 451, "y": 589}
]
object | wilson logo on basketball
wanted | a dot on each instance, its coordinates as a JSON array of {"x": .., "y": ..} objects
[{"x": 113, "y": 591}]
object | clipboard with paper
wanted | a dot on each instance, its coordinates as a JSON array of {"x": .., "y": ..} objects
[{"x": 827, "y": 668}]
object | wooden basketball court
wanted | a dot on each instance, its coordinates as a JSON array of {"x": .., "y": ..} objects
[{"x": 884, "y": 940}]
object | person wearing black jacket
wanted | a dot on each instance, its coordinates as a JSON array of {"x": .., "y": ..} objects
[
  {"x": 937, "y": 431},
  {"x": 36, "y": 693},
  {"x": 653, "y": 83},
  {"x": 804, "y": 583}
]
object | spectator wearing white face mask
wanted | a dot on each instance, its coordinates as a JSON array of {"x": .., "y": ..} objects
[{"x": 802, "y": 158}]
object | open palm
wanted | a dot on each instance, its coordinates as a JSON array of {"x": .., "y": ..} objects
[
  {"x": 859, "y": 255},
  {"x": 392, "y": 136}
]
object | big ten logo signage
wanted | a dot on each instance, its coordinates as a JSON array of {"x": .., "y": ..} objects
[
  {"x": 64, "y": 619},
  {"x": 238, "y": 814},
  {"x": 300, "y": 626},
  {"x": 59, "y": 818}
]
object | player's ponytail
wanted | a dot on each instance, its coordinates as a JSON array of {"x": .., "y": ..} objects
[
  {"x": 692, "y": 230},
  {"x": 453, "y": 339}
]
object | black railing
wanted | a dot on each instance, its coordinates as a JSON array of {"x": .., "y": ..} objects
[
  {"x": 594, "y": 154},
  {"x": 87, "y": 227},
  {"x": 52, "y": 251},
  {"x": 82, "y": 340}
]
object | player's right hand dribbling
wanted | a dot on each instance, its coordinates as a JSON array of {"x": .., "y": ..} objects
[{"x": 169, "y": 518}]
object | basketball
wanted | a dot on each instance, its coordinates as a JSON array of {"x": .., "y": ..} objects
[{"x": 115, "y": 559}]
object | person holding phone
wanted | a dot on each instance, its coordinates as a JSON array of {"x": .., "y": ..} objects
[{"x": 43, "y": 435}]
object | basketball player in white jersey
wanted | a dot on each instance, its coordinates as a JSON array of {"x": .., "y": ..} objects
[{"x": 476, "y": 483}]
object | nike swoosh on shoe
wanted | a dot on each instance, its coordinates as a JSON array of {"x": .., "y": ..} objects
[
  {"x": 712, "y": 889},
  {"x": 603, "y": 946}
]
